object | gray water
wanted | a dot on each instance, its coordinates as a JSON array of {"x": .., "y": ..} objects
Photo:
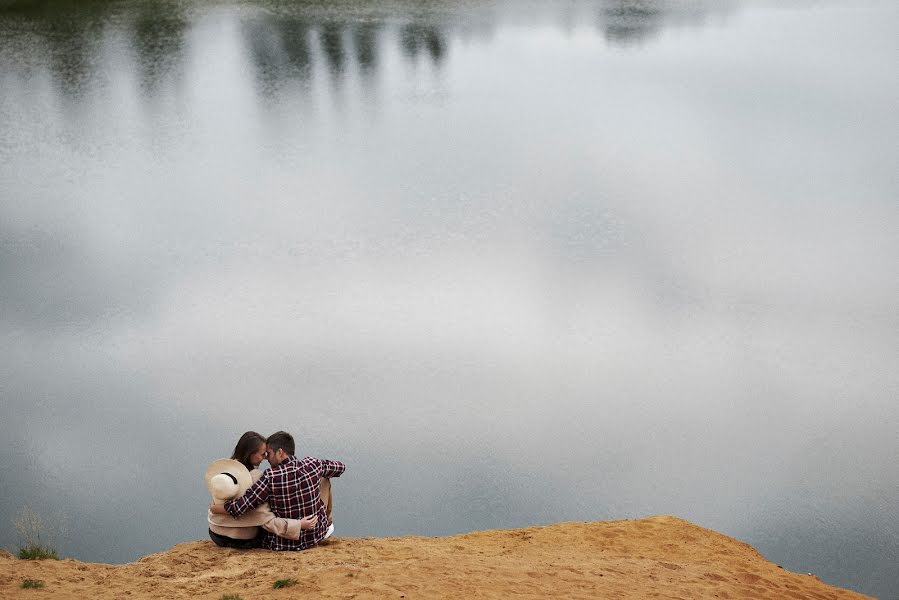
[{"x": 514, "y": 262}]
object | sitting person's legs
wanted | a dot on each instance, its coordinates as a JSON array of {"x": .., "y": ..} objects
[
  {"x": 227, "y": 542},
  {"x": 326, "y": 497},
  {"x": 328, "y": 501}
]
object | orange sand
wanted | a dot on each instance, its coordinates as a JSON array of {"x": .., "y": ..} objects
[{"x": 658, "y": 557}]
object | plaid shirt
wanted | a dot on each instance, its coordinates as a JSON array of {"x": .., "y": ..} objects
[{"x": 292, "y": 490}]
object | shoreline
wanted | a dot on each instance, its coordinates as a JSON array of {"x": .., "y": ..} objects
[{"x": 662, "y": 556}]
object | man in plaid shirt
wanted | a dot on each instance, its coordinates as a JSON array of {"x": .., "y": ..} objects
[{"x": 293, "y": 488}]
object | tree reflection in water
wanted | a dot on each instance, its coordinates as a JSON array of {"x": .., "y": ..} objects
[{"x": 280, "y": 39}]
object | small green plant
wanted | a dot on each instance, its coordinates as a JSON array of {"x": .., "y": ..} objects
[
  {"x": 231, "y": 597},
  {"x": 37, "y": 537},
  {"x": 283, "y": 583},
  {"x": 38, "y": 553},
  {"x": 32, "y": 584}
]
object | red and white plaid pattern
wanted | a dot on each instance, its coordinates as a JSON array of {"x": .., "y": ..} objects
[{"x": 292, "y": 490}]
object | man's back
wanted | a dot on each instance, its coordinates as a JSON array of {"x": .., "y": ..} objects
[{"x": 293, "y": 491}]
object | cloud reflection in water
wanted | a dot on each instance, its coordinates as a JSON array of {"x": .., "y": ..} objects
[{"x": 520, "y": 264}]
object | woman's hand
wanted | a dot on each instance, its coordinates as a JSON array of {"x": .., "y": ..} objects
[{"x": 308, "y": 522}]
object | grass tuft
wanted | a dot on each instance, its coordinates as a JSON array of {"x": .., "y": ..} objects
[
  {"x": 38, "y": 552},
  {"x": 231, "y": 597},
  {"x": 32, "y": 584},
  {"x": 283, "y": 583},
  {"x": 38, "y": 537}
]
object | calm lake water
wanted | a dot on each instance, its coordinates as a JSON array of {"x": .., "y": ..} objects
[{"x": 515, "y": 262}]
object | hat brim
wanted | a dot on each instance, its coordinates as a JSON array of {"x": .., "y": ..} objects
[{"x": 231, "y": 467}]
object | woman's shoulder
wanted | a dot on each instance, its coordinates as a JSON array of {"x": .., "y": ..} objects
[{"x": 255, "y": 474}]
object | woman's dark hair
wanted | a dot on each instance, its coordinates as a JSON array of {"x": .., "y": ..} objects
[{"x": 247, "y": 445}]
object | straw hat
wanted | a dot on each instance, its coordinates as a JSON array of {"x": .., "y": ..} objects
[{"x": 227, "y": 479}]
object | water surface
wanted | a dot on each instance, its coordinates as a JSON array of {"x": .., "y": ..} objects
[{"x": 514, "y": 262}]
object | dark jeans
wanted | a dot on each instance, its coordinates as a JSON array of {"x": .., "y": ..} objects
[{"x": 226, "y": 542}]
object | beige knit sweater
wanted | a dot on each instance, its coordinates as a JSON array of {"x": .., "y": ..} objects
[{"x": 247, "y": 526}]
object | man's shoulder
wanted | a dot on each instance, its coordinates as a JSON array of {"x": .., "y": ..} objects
[
  {"x": 274, "y": 472},
  {"x": 295, "y": 465},
  {"x": 292, "y": 464},
  {"x": 305, "y": 464}
]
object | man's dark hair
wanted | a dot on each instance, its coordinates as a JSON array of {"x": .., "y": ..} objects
[{"x": 281, "y": 440}]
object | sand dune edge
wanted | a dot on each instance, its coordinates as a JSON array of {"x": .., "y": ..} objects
[{"x": 656, "y": 557}]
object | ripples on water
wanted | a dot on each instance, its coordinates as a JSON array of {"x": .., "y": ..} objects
[{"x": 515, "y": 262}]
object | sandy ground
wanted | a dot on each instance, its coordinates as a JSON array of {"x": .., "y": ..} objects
[{"x": 658, "y": 557}]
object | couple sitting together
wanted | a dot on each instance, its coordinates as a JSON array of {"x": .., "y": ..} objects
[{"x": 287, "y": 507}]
